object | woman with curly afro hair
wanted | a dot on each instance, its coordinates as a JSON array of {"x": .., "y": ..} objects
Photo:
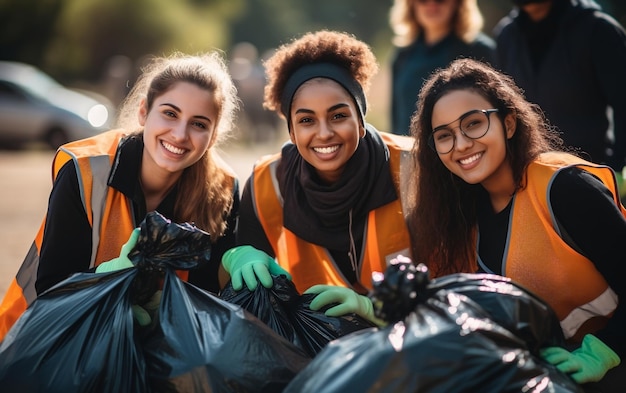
[{"x": 327, "y": 207}]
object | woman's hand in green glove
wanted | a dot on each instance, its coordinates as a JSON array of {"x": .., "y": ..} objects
[
  {"x": 588, "y": 363},
  {"x": 250, "y": 265},
  {"x": 141, "y": 313},
  {"x": 121, "y": 262},
  {"x": 348, "y": 302}
]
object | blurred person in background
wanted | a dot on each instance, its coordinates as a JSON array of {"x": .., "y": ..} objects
[
  {"x": 161, "y": 158},
  {"x": 429, "y": 34},
  {"x": 247, "y": 72},
  {"x": 499, "y": 193},
  {"x": 570, "y": 58},
  {"x": 328, "y": 207}
]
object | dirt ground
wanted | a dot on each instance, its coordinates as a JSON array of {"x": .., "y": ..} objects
[{"x": 25, "y": 183}]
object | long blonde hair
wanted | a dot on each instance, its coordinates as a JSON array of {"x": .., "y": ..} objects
[
  {"x": 205, "y": 189},
  {"x": 467, "y": 21}
]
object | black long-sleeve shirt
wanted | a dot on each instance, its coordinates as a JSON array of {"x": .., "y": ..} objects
[
  {"x": 573, "y": 64},
  {"x": 585, "y": 209},
  {"x": 67, "y": 241}
]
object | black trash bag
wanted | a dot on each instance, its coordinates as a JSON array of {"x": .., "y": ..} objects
[
  {"x": 198, "y": 342},
  {"x": 76, "y": 337},
  {"x": 80, "y": 335},
  {"x": 287, "y": 312},
  {"x": 515, "y": 308},
  {"x": 204, "y": 344},
  {"x": 404, "y": 286},
  {"x": 442, "y": 341}
]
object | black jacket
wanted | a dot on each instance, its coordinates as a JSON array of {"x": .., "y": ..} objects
[
  {"x": 573, "y": 64},
  {"x": 66, "y": 246}
]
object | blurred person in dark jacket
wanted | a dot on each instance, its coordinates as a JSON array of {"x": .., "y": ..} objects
[
  {"x": 570, "y": 58},
  {"x": 429, "y": 34}
]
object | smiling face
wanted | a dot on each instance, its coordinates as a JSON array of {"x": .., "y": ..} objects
[
  {"x": 325, "y": 126},
  {"x": 178, "y": 129},
  {"x": 481, "y": 160}
]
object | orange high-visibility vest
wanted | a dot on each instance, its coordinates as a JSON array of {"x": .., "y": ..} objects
[
  {"x": 109, "y": 213},
  {"x": 386, "y": 235},
  {"x": 537, "y": 257}
]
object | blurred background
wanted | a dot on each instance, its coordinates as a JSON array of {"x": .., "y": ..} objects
[
  {"x": 91, "y": 51},
  {"x": 99, "y": 45}
]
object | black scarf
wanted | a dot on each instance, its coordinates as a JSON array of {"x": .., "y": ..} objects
[{"x": 319, "y": 213}]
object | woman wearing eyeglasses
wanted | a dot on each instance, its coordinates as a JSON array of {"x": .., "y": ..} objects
[
  {"x": 497, "y": 192},
  {"x": 429, "y": 34}
]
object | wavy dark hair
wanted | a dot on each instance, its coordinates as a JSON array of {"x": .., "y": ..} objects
[{"x": 442, "y": 216}]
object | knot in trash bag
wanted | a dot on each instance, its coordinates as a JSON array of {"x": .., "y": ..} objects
[
  {"x": 81, "y": 334},
  {"x": 465, "y": 333},
  {"x": 396, "y": 292},
  {"x": 163, "y": 244}
]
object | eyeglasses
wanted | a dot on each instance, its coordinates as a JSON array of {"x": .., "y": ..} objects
[{"x": 473, "y": 125}]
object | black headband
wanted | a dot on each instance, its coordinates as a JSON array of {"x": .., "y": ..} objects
[{"x": 322, "y": 70}]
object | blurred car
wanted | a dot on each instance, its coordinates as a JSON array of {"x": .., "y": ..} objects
[{"x": 36, "y": 108}]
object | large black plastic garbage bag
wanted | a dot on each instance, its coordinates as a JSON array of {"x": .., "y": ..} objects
[
  {"x": 80, "y": 335},
  {"x": 201, "y": 343},
  {"x": 76, "y": 337},
  {"x": 287, "y": 312},
  {"x": 440, "y": 340},
  {"x": 205, "y": 344}
]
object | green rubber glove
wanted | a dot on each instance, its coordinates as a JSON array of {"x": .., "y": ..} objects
[
  {"x": 349, "y": 302},
  {"x": 143, "y": 314},
  {"x": 588, "y": 363},
  {"x": 249, "y": 265},
  {"x": 619, "y": 176},
  {"x": 140, "y": 313},
  {"x": 121, "y": 262}
]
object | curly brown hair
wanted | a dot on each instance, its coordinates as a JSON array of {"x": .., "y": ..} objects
[{"x": 326, "y": 46}]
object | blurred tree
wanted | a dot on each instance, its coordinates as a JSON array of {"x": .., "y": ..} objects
[
  {"x": 74, "y": 39},
  {"x": 282, "y": 20},
  {"x": 91, "y": 32},
  {"x": 26, "y": 27},
  {"x": 78, "y": 40}
]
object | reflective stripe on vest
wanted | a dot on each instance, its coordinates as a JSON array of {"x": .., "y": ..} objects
[
  {"x": 93, "y": 195},
  {"x": 537, "y": 257},
  {"x": 385, "y": 230},
  {"x": 603, "y": 305},
  {"x": 103, "y": 206},
  {"x": 93, "y": 158}
]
